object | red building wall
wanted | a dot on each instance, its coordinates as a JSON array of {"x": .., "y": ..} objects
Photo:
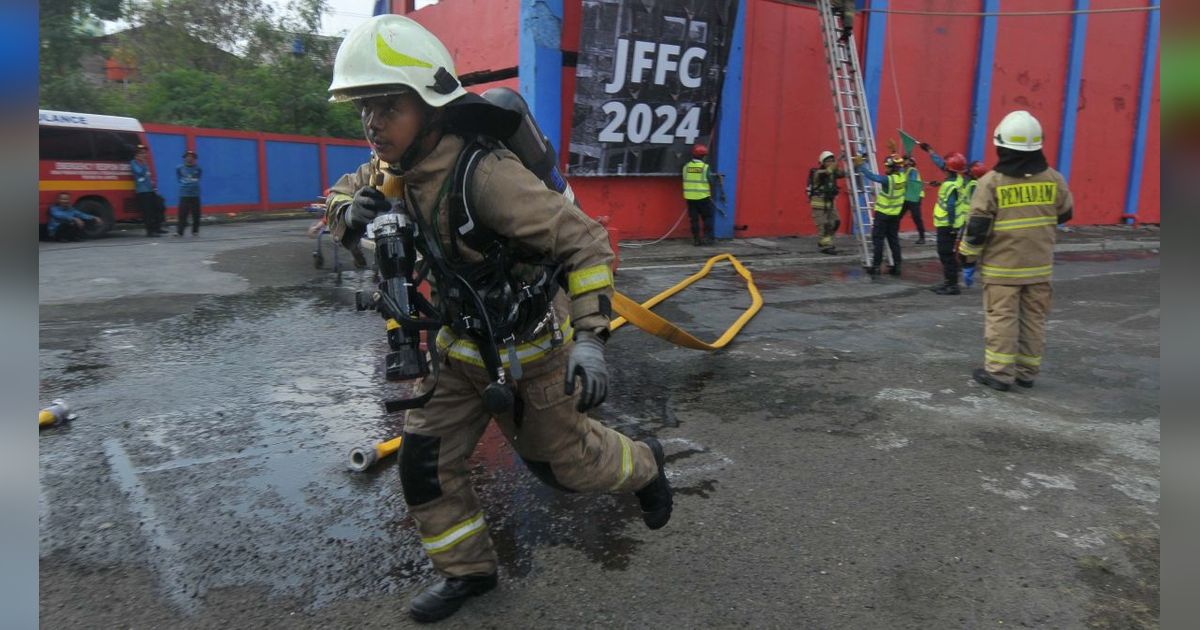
[
  {"x": 1108, "y": 104},
  {"x": 930, "y": 65},
  {"x": 480, "y": 34},
  {"x": 926, "y": 87}
]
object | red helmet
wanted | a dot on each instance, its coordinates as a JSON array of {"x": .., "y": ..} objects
[
  {"x": 699, "y": 151},
  {"x": 956, "y": 163},
  {"x": 978, "y": 169}
]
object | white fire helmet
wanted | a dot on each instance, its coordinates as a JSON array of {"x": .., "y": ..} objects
[
  {"x": 1019, "y": 131},
  {"x": 389, "y": 53},
  {"x": 825, "y": 155}
]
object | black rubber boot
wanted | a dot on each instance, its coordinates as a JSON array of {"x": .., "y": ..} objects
[
  {"x": 894, "y": 270},
  {"x": 947, "y": 289},
  {"x": 655, "y": 498},
  {"x": 872, "y": 270},
  {"x": 981, "y": 376},
  {"x": 1024, "y": 383},
  {"x": 445, "y": 598}
]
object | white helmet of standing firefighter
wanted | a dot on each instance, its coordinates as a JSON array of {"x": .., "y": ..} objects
[
  {"x": 825, "y": 155},
  {"x": 1019, "y": 131},
  {"x": 390, "y": 54}
]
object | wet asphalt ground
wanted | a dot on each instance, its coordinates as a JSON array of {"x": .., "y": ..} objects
[{"x": 835, "y": 466}]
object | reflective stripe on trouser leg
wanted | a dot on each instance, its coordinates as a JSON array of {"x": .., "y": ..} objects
[
  {"x": 451, "y": 525},
  {"x": 582, "y": 454},
  {"x": 1035, "y": 305},
  {"x": 1001, "y": 306}
]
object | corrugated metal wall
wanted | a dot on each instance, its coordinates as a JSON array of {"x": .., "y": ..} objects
[{"x": 249, "y": 171}]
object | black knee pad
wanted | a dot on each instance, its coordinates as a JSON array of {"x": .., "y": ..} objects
[
  {"x": 545, "y": 473},
  {"x": 419, "y": 468}
]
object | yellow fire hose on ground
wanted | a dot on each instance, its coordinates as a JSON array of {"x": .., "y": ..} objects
[{"x": 630, "y": 312}]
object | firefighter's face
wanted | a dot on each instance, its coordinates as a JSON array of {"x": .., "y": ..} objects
[
  {"x": 391, "y": 123},
  {"x": 828, "y": 162}
]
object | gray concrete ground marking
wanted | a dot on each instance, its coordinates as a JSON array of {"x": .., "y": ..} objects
[{"x": 166, "y": 556}]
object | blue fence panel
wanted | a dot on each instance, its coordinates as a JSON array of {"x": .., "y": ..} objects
[
  {"x": 165, "y": 151},
  {"x": 340, "y": 159},
  {"x": 293, "y": 171},
  {"x": 230, "y": 170}
]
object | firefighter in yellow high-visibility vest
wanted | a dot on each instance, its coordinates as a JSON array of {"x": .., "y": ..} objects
[
  {"x": 1010, "y": 239},
  {"x": 697, "y": 191},
  {"x": 888, "y": 204}
]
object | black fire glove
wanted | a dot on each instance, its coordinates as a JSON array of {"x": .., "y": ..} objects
[
  {"x": 368, "y": 203},
  {"x": 587, "y": 363}
]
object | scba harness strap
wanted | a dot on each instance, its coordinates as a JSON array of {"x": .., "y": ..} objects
[{"x": 485, "y": 301}]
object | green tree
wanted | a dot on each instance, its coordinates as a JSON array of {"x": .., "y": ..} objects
[{"x": 236, "y": 64}]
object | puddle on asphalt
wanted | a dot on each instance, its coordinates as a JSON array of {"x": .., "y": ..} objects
[{"x": 237, "y": 418}]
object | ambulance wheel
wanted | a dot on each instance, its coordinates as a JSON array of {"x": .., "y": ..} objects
[{"x": 97, "y": 208}]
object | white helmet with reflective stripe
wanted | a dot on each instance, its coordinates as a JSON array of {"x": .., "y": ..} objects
[
  {"x": 825, "y": 155},
  {"x": 1019, "y": 131},
  {"x": 388, "y": 53}
]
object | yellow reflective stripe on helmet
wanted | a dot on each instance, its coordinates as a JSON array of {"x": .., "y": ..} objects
[
  {"x": 467, "y": 351},
  {"x": 1025, "y": 359},
  {"x": 394, "y": 58},
  {"x": 589, "y": 279},
  {"x": 1005, "y": 225},
  {"x": 1016, "y": 272},
  {"x": 999, "y": 357},
  {"x": 454, "y": 535},
  {"x": 626, "y": 462}
]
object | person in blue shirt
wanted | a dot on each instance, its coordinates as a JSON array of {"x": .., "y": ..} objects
[
  {"x": 188, "y": 175},
  {"x": 66, "y": 222},
  {"x": 146, "y": 193}
]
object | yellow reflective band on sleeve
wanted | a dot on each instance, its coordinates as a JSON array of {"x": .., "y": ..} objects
[
  {"x": 993, "y": 271},
  {"x": 999, "y": 357},
  {"x": 467, "y": 351},
  {"x": 626, "y": 463},
  {"x": 967, "y": 249},
  {"x": 338, "y": 198},
  {"x": 1025, "y": 359},
  {"x": 589, "y": 279},
  {"x": 451, "y": 537},
  {"x": 1005, "y": 225}
]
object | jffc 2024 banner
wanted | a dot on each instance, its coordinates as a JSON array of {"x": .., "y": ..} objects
[{"x": 647, "y": 83}]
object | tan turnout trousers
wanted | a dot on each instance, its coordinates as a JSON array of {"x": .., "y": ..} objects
[
  {"x": 563, "y": 447},
  {"x": 825, "y": 216},
  {"x": 1014, "y": 329}
]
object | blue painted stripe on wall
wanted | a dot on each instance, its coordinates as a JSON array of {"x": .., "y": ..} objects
[
  {"x": 729, "y": 124},
  {"x": 1138, "y": 161},
  {"x": 985, "y": 59},
  {"x": 1066, "y": 144},
  {"x": 539, "y": 64},
  {"x": 293, "y": 171},
  {"x": 340, "y": 160},
  {"x": 166, "y": 149},
  {"x": 877, "y": 25},
  {"x": 230, "y": 170}
]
